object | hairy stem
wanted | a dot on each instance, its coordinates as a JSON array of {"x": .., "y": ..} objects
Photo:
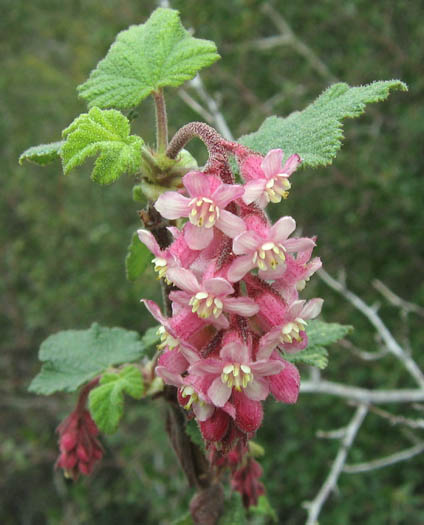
[{"x": 161, "y": 121}]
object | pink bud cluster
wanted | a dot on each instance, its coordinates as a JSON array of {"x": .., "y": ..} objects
[
  {"x": 235, "y": 282},
  {"x": 79, "y": 446}
]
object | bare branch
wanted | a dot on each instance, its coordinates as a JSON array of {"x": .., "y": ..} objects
[
  {"x": 404, "y": 455},
  {"x": 370, "y": 313},
  {"x": 289, "y": 37},
  {"x": 395, "y": 300},
  {"x": 362, "y": 395},
  {"x": 397, "y": 420},
  {"x": 195, "y": 106},
  {"x": 331, "y": 434},
  {"x": 314, "y": 507},
  {"x": 362, "y": 354}
]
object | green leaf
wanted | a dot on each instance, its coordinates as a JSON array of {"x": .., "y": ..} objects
[
  {"x": 144, "y": 59},
  {"x": 184, "y": 520},
  {"x": 193, "y": 432},
  {"x": 106, "y": 402},
  {"x": 74, "y": 357},
  {"x": 137, "y": 259},
  {"x": 234, "y": 512},
  {"x": 313, "y": 356},
  {"x": 103, "y": 133},
  {"x": 42, "y": 154},
  {"x": 323, "y": 334},
  {"x": 264, "y": 508},
  {"x": 316, "y": 132},
  {"x": 151, "y": 337}
]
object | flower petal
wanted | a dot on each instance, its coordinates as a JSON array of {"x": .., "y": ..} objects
[
  {"x": 207, "y": 366},
  {"x": 253, "y": 190},
  {"x": 169, "y": 377},
  {"x": 219, "y": 393},
  {"x": 218, "y": 286},
  {"x": 312, "y": 308},
  {"x": 299, "y": 244},
  {"x": 203, "y": 411},
  {"x": 227, "y": 193},
  {"x": 272, "y": 163},
  {"x": 282, "y": 229},
  {"x": 268, "y": 343},
  {"x": 266, "y": 368},
  {"x": 241, "y": 305},
  {"x": 249, "y": 413},
  {"x": 148, "y": 240},
  {"x": 246, "y": 242},
  {"x": 172, "y": 205},
  {"x": 239, "y": 268},
  {"x": 257, "y": 390},
  {"x": 200, "y": 184},
  {"x": 291, "y": 164},
  {"x": 184, "y": 279},
  {"x": 230, "y": 224},
  {"x": 155, "y": 311},
  {"x": 235, "y": 352},
  {"x": 197, "y": 238}
]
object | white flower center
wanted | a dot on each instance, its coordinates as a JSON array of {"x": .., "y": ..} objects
[
  {"x": 161, "y": 266},
  {"x": 269, "y": 256},
  {"x": 236, "y": 375},
  {"x": 277, "y": 188},
  {"x": 204, "y": 212},
  {"x": 291, "y": 331},
  {"x": 188, "y": 391},
  {"x": 206, "y": 305},
  {"x": 166, "y": 339}
]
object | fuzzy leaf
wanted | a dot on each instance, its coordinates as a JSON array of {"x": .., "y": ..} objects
[
  {"x": 193, "y": 432},
  {"x": 151, "y": 337},
  {"x": 316, "y": 132},
  {"x": 145, "y": 58},
  {"x": 264, "y": 508},
  {"x": 106, "y": 402},
  {"x": 313, "y": 356},
  {"x": 73, "y": 357},
  {"x": 103, "y": 133},
  {"x": 42, "y": 154},
  {"x": 323, "y": 334},
  {"x": 137, "y": 259}
]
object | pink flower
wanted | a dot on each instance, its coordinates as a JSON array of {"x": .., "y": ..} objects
[
  {"x": 245, "y": 480},
  {"x": 210, "y": 299},
  {"x": 298, "y": 271},
  {"x": 236, "y": 370},
  {"x": 205, "y": 208},
  {"x": 265, "y": 247},
  {"x": 290, "y": 331},
  {"x": 269, "y": 181}
]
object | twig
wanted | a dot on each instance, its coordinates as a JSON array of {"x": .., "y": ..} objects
[
  {"x": 362, "y": 354},
  {"x": 314, "y": 507},
  {"x": 362, "y": 395},
  {"x": 331, "y": 434},
  {"x": 195, "y": 106},
  {"x": 404, "y": 455},
  {"x": 397, "y": 420},
  {"x": 370, "y": 313},
  {"x": 289, "y": 37},
  {"x": 395, "y": 300}
]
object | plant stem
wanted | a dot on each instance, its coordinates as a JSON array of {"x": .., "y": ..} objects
[{"x": 161, "y": 121}]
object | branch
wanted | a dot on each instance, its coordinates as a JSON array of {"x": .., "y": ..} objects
[
  {"x": 397, "y": 420},
  {"x": 395, "y": 300},
  {"x": 392, "y": 345},
  {"x": 314, "y": 507},
  {"x": 404, "y": 455},
  {"x": 362, "y": 395}
]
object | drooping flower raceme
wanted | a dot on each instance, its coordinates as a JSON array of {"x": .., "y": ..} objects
[{"x": 236, "y": 309}]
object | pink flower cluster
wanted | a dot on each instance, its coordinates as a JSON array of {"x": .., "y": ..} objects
[{"x": 235, "y": 298}]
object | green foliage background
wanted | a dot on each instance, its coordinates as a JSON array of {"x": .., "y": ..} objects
[{"x": 64, "y": 240}]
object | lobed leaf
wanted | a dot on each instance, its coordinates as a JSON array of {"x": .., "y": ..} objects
[
  {"x": 105, "y": 133},
  {"x": 106, "y": 402},
  {"x": 42, "y": 154},
  {"x": 312, "y": 356},
  {"x": 316, "y": 133},
  {"x": 144, "y": 59},
  {"x": 323, "y": 334},
  {"x": 74, "y": 357},
  {"x": 137, "y": 259}
]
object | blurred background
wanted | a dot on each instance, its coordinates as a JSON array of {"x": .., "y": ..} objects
[{"x": 63, "y": 242}]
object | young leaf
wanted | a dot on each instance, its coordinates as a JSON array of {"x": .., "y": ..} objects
[
  {"x": 42, "y": 154},
  {"x": 103, "y": 133},
  {"x": 313, "y": 356},
  {"x": 137, "y": 259},
  {"x": 145, "y": 58},
  {"x": 73, "y": 357},
  {"x": 316, "y": 132},
  {"x": 106, "y": 402},
  {"x": 323, "y": 334},
  {"x": 193, "y": 432}
]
